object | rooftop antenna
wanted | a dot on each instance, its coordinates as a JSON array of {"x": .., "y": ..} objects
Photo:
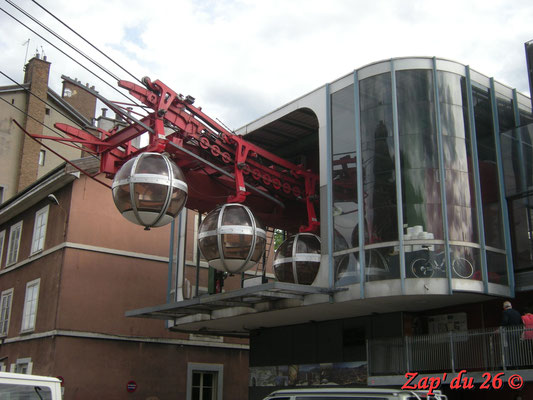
[{"x": 27, "y": 44}]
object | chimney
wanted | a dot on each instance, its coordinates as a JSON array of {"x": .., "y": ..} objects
[
  {"x": 36, "y": 75},
  {"x": 80, "y": 99}
]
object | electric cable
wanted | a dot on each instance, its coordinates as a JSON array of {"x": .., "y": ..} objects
[
  {"x": 43, "y": 101},
  {"x": 67, "y": 55},
  {"x": 47, "y": 127},
  {"x": 49, "y": 30},
  {"x": 89, "y": 43}
]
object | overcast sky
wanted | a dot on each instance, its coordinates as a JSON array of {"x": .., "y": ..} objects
[{"x": 241, "y": 59}]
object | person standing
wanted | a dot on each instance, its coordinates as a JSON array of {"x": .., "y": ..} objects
[
  {"x": 527, "y": 319},
  {"x": 511, "y": 330},
  {"x": 510, "y": 316}
]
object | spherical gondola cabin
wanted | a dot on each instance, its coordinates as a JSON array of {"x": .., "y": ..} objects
[
  {"x": 231, "y": 239},
  {"x": 297, "y": 260},
  {"x": 150, "y": 190}
]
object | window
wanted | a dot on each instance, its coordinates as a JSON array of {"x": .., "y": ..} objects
[
  {"x": 2, "y": 239},
  {"x": 30, "y": 305},
  {"x": 47, "y": 111},
  {"x": 203, "y": 385},
  {"x": 5, "y": 311},
  {"x": 204, "y": 381},
  {"x": 42, "y": 157},
  {"x": 39, "y": 230},
  {"x": 22, "y": 366},
  {"x": 1, "y": 194},
  {"x": 13, "y": 244}
]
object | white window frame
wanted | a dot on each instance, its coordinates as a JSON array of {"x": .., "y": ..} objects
[
  {"x": 13, "y": 243},
  {"x": 42, "y": 157},
  {"x": 31, "y": 302},
  {"x": 197, "y": 367},
  {"x": 39, "y": 230},
  {"x": 5, "y": 311},
  {"x": 2, "y": 242},
  {"x": 21, "y": 363}
]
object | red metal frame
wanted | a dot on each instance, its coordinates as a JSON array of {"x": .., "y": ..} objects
[{"x": 193, "y": 130}]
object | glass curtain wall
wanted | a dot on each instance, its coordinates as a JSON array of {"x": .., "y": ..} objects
[
  {"x": 460, "y": 183},
  {"x": 421, "y": 194},
  {"x": 345, "y": 207},
  {"x": 379, "y": 181},
  {"x": 419, "y": 127},
  {"x": 518, "y": 168},
  {"x": 490, "y": 198}
]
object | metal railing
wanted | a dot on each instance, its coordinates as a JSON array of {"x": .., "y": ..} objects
[{"x": 473, "y": 350}]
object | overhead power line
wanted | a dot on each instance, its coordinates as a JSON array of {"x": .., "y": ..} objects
[
  {"x": 112, "y": 86},
  {"x": 89, "y": 43},
  {"x": 63, "y": 40}
]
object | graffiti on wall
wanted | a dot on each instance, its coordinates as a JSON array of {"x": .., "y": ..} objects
[{"x": 345, "y": 373}]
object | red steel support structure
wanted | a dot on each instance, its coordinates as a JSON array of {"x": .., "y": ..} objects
[{"x": 219, "y": 165}]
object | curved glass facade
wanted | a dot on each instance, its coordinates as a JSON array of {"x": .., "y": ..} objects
[{"x": 425, "y": 160}]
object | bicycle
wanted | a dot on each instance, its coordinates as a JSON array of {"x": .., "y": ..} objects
[{"x": 426, "y": 267}]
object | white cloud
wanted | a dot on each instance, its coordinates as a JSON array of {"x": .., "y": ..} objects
[{"x": 242, "y": 58}]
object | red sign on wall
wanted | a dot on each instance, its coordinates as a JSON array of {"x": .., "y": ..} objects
[{"x": 131, "y": 386}]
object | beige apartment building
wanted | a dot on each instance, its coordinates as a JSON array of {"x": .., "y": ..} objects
[{"x": 36, "y": 107}]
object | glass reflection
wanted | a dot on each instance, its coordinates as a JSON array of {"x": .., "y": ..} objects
[
  {"x": 419, "y": 151},
  {"x": 457, "y": 151},
  {"x": 344, "y": 165},
  {"x": 518, "y": 178},
  {"x": 488, "y": 171},
  {"x": 377, "y": 143}
]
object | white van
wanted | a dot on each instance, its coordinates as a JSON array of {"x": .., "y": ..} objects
[
  {"x": 28, "y": 387},
  {"x": 353, "y": 394}
]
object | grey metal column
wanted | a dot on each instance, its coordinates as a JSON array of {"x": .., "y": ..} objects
[
  {"x": 516, "y": 114},
  {"x": 442, "y": 176},
  {"x": 503, "y": 200},
  {"x": 360, "y": 198},
  {"x": 398, "y": 174},
  {"x": 180, "y": 254},
  {"x": 477, "y": 181},
  {"x": 329, "y": 191},
  {"x": 170, "y": 261}
]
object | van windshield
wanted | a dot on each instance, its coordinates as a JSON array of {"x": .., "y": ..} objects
[{"x": 24, "y": 392}]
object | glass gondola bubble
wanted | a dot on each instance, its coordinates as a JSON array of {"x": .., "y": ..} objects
[
  {"x": 231, "y": 239},
  {"x": 297, "y": 260},
  {"x": 150, "y": 190}
]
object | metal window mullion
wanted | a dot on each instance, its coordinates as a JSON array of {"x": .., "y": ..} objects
[
  {"x": 398, "y": 175},
  {"x": 329, "y": 191},
  {"x": 442, "y": 175},
  {"x": 516, "y": 114},
  {"x": 523, "y": 170},
  {"x": 477, "y": 180},
  {"x": 360, "y": 198},
  {"x": 501, "y": 187}
]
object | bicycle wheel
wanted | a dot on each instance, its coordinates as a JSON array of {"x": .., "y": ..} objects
[
  {"x": 462, "y": 268},
  {"x": 422, "y": 268},
  {"x": 374, "y": 259}
]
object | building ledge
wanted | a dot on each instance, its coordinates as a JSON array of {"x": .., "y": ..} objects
[{"x": 231, "y": 304}]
